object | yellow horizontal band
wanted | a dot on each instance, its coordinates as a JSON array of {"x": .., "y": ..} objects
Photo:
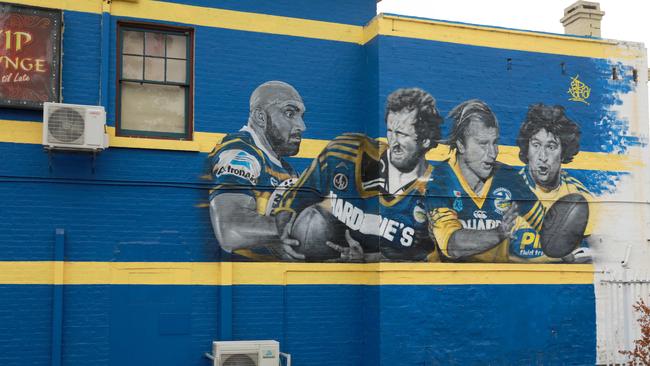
[
  {"x": 484, "y": 36},
  {"x": 31, "y": 133},
  {"x": 233, "y": 273},
  {"x": 387, "y": 25}
]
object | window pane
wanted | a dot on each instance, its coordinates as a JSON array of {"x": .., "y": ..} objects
[
  {"x": 176, "y": 46},
  {"x": 154, "y": 44},
  {"x": 156, "y": 108},
  {"x": 154, "y": 69},
  {"x": 132, "y": 42},
  {"x": 132, "y": 67},
  {"x": 176, "y": 71}
]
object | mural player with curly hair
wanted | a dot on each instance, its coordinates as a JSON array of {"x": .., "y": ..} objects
[{"x": 547, "y": 139}]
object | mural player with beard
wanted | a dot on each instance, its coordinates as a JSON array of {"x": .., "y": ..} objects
[
  {"x": 547, "y": 139},
  {"x": 247, "y": 166},
  {"x": 474, "y": 204},
  {"x": 376, "y": 189}
]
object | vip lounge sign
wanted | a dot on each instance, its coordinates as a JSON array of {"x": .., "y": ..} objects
[{"x": 30, "y": 49}]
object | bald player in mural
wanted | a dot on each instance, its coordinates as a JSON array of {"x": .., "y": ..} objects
[
  {"x": 547, "y": 139},
  {"x": 248, "y": 169},
  {"x": 483, "y": 209}
]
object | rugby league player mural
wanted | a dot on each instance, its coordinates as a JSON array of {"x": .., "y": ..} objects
[{"x": 367, "y": 200}]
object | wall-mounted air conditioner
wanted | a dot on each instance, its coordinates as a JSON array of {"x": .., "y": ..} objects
[
  {"x": 247, "y": 353},
  {"x": 74, "y": 127}
]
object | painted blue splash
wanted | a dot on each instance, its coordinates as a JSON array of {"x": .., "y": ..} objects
[
  {"x": 598, "y": 182},
  {"x": 612, "y": 132}
]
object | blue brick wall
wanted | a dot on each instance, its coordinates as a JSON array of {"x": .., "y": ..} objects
[
  {"x": 318, "y": 325},
  {"x": 488, "y": 325},
  {"x": 86, "y": 325},
  {"x": 25, "y": 324},
  {"x": 105, "y": 222},
  {"x": 81, "y": 58},
  {"x": 145, "y": 205}
]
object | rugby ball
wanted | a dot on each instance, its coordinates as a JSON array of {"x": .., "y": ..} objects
[
  {"x": 564, "y": 225},
  {"x": 313, "y": 227}
]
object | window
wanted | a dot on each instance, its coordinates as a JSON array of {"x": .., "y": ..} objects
[{"x": 154, "y": 91}]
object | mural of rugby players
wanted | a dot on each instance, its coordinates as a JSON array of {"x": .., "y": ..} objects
[
  {"x": 485, "y": 211},
  {"x": 246, "y": 168},
  {"x": 547, "y": 139},
  {"x": 362, "y": 199}
]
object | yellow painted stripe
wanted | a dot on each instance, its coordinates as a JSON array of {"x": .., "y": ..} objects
[
  {"x": 31, "y": 133},
  {"x": 484, "y": 36},
  {"x": 232, "y": 273},
  {"x": 371, "y": 30},
  {"x": 388, "y": 25}
]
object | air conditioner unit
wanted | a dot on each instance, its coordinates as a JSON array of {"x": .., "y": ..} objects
[
  {"x": 74, "y": 127},
  {"x": 246, "y": 353}
]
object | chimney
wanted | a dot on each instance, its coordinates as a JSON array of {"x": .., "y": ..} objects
[{"x": 582, "y": 19}]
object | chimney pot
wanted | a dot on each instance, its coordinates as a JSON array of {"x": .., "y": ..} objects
[{"x": 582, "y": 18}]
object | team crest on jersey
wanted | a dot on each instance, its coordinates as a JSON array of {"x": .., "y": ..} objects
[
  {"x": 340, "y": 181},
  {"x": 276, "y": 196},
  {"x": 419, "y": 213},
  {"x": 238, "y": 163},
  {"x": 502, "y": 200},
  {"x": 458, "y": 204}
]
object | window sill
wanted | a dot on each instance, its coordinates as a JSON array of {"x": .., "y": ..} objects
[{"x": 150, "y": 143}]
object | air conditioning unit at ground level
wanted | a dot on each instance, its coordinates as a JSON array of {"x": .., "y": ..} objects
[
  {"x": 247, "y": 353},
  {"x": 74, "y": 127}
]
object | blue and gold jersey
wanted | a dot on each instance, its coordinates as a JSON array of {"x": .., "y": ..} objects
[
  {"x": 568, "y": 185},
  {"x": 454, "y": 205},
  {"x": 239, "y": 164},
  {"x": 349, "y": 178}
]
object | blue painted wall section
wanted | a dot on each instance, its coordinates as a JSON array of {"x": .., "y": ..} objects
[
  {"x": 496, "y": 325},
  {"x": 318, "y": 325},
  {"x": 146, "y": 205},
  {"x": 26, "y": 318}
]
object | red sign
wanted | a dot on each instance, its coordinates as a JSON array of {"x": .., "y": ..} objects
[{"x": 30, "y": 44}]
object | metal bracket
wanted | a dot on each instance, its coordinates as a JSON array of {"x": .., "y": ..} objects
[
  {"x": 287, "y": 357},
  {"x": 50, "y": 152}
]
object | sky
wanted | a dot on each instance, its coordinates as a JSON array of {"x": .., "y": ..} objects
[{"x": 627, "y": 20}]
